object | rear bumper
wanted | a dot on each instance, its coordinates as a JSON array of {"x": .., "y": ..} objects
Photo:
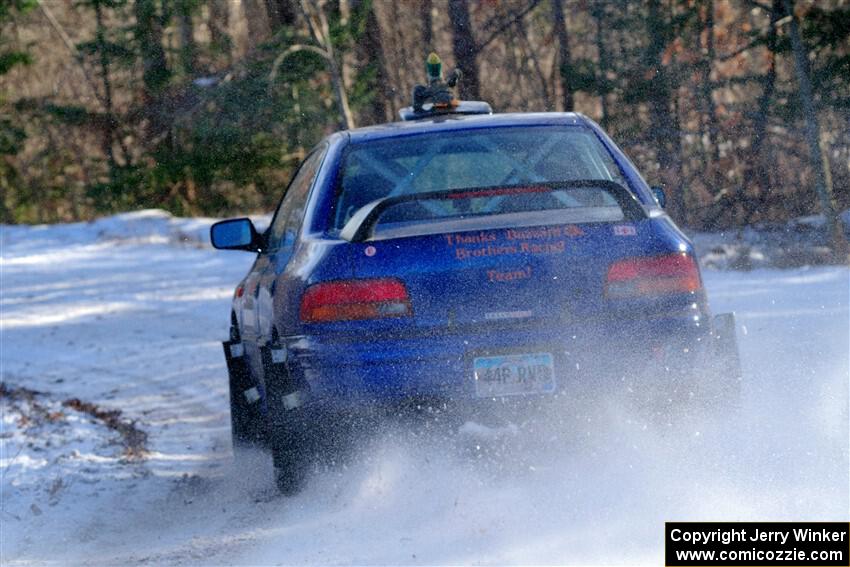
[{"x": 345, "y": 373}]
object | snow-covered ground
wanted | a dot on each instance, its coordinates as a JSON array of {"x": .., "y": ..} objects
[{"x": 127, "y": 314}]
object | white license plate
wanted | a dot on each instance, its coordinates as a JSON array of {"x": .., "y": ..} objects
[{"x": 514, "y": 375}]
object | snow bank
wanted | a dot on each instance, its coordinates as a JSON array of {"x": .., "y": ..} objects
[
  {"x": 150, "y": 226},
  {"x": 796, "y": 243},
  {"x": 137, "y": 328}
]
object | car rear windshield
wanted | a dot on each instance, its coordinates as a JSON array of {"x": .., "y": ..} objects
[{"x": 495, "y": 157}]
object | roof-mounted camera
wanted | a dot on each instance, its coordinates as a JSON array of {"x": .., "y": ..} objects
[{"x": 437, "y": 97}]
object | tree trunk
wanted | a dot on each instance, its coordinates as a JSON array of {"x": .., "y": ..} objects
[
  {"x": 219, "y": 24},
  {"x": 314, "y": 13},
  {"x": 664, "y": 124},
  {"x": 346, "y": 117},
  {"x": 564, "y": 61},
  {"x": 148, "y": 32},
  {"x": 347, "y": 58},
  {"x": 257, "y": 20},
  {"x": 707, "y": 94},
  {"x": 761, "y": 161},
  {"x": 281, "y": 14},
  {"x": 464, "y": 48},
  {"x": 425, "y": 8},
  {"x": 110, "y": 123},
  {"x": 819, "y": 159},
  {"x": 530, "y": 56},
  {"x": 188, "y": 50},
  {"x": 598, "y": 9},
  {"x": 372, "y": 47}
]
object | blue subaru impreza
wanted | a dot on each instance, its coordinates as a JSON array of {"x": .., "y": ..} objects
[{"x": 467, "y": 261}]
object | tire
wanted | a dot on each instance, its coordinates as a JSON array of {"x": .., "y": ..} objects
[
  {"x": 723, "y": 387},
  {"x": 289, "y": 433},
  {"x": 668, "y": 390}
]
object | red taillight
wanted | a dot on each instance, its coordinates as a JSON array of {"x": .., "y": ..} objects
[
  {"x": 655, "y": 275},
  {"x": 355, "y": 299}
]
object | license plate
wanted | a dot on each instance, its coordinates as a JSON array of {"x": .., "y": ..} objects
[{"x": 514, "y": 375}]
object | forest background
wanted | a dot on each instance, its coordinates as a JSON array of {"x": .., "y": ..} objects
[{"x": 740, "y": 109}]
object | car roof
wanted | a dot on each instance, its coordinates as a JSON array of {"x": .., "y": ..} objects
[{"x": 452, "y": 122}]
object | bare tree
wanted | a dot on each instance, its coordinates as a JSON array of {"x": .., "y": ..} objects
[
  {"x": 531, "y": 56},
  {"x": 709, "y": 109},
  {"x": 347, "y": 57},
  {"x": 464, "y": 48},
  {"x": 219, "y": 25},
  {"x": 371, "y": 48},
  {"x": 564, "y": 61},
  {"x": 313, "y": 12},
  {"x": 464, "y": 45},
  {"x": 818, "y": 158},
  {"x": 598, "y": 12},
  {"x": 148, "y": 33},
  {"x": 69, "y": 44},
  {"x": 257, "y": 20},
  {"x": 664, "y": 122},
  {"x": 110, "y": 127},
  {"x": 760, "y": 164},
  {"x": 188, "y": 49},
  {"x": 427, "y": 26},
  {"x": 281, "y": 13}
]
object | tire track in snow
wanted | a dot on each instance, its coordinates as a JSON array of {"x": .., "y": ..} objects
[{"x": 616, "y": 479}]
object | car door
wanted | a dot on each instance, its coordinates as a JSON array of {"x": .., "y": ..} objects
[{"x": 281, "y": 239}]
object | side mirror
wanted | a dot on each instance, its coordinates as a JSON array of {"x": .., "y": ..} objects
[
  {"x": 235, "y": 234},
  {"x": 660, "y": 196}
]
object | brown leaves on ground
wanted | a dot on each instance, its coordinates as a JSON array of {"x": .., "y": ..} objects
[{"x": 133, "y": 439}]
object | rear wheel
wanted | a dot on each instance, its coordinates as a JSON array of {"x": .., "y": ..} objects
[
  {"x": 289, "y": 433},
  {"x": 723, "y": 383},
  {"x": 708, "y": 377},
  {"x": 671, "y": 391}
]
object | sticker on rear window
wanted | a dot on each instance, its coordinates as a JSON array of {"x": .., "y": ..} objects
[{"x": 624, "y": 230}]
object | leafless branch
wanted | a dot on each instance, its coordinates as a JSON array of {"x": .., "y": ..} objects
[
  {"x": 313, "y": 12},
  {"x": 60, "y": 31},
  {"x": 278, "y": 61},
  {"x": 761, "y": 38},
  {"x": 500, "y": 26},
  {"x": 758, "y": 5}
]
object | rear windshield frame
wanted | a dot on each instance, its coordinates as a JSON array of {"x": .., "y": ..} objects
[{"x": 337, "y": 188}]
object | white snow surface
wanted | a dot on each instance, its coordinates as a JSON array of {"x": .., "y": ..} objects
[{"x": 128, "y": 313}]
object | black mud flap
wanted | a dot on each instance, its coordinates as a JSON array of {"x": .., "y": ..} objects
[
  {"x": 290, "y": 435},
  {"x": 246, "y": 407},
  {"x": 285, "y": 393}
]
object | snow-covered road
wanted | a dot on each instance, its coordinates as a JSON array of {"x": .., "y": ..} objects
[{"x": 125, "y": 316}]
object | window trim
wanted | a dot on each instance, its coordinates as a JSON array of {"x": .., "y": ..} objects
[
  {"x": 322, "y": 147},
  {"x": 330, "y": 221}
]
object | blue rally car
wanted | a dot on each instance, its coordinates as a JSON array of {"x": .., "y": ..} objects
[{"x": 466, "y": 261}]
